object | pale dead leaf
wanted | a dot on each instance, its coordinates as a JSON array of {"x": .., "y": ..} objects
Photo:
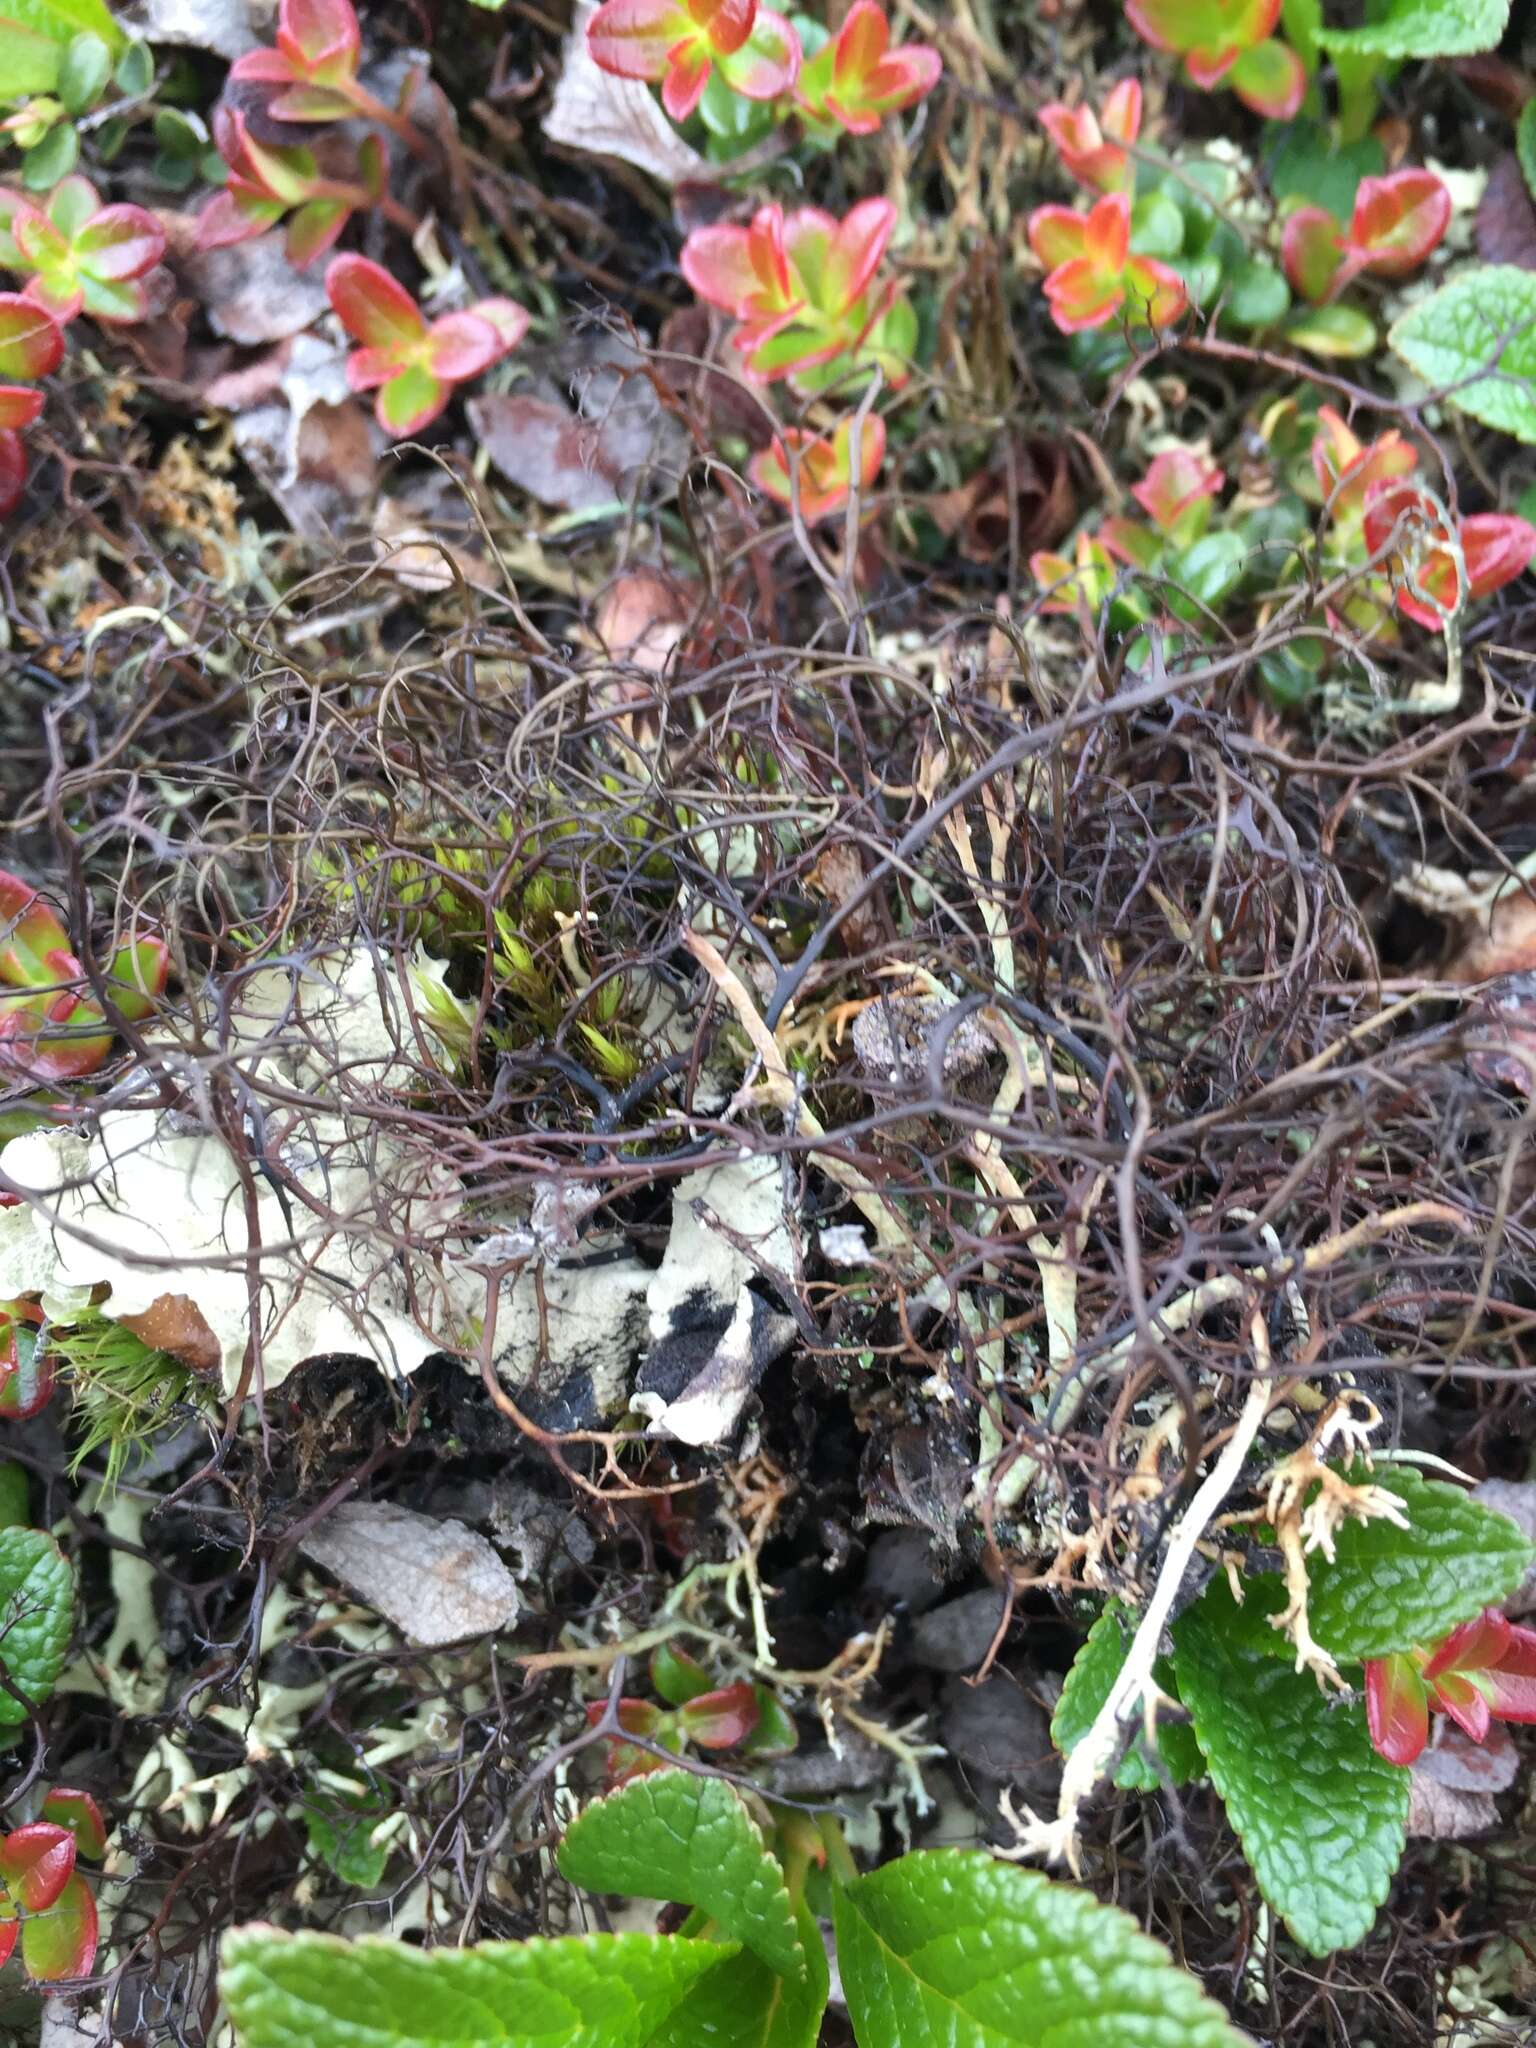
[
  {"x": 435, "y": 1581},
  {"x": 1451, "y": 1794},
  {"x": 606, "y": 116}
]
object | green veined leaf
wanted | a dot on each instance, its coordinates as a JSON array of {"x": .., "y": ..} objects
[
  {"x": 1320, "y": 1815},
  {"x": 1424, "y": 28},
  {"x": 674, "y": 1835},
  {"x": 1484, "y": 320},
  {"x": 597, "y": 1991},
  {"x": 744, "y": 2004},
  {"x": 1388, "y": 1588},
  {"x": 37, "y": 1611},
  {"x": 948, "y": 1948}
]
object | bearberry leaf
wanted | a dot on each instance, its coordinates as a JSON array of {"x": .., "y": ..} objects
[
  {"x": 1484, "y": 320},
  {"x": 1389, "y": 1588},
  {"x": 1320, "y": 1815},
  {"x": 947, "y": 1948},
  {"x": 37, "y": 1606},
  {"x": 1094, "y": 1670},
  {"x": 1424, "y": 28},
  {"x": 61, "y": 1940},
  {"x": 674, "y": 1835},
  {"x": 598, "y": 1991}
]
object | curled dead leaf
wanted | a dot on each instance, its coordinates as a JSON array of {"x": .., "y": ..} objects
[
  {"x": 174, "y": 1323},
  {"x": 607, "y": 116}
]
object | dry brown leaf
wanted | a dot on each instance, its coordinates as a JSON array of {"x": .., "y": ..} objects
[
  {"x": 1506, "y": 216},
  {"x": 175, "y": 1324},
  {"x": 607, "y": 116}
]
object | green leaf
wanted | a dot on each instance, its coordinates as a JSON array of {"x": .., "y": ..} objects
[
  {"x": 1320, "y": 1815},
  {"x": 62, "y": 20},
  {"x": 84, "y": 70},
  {"x": 1302, "y": 20},
  {"x": 37, "y": 1611},
  {"x": 948, "y": 1948},
  {"x": 14, "y": 1510},
  {"x": 1459, "y": 332},
  {"x": 1310, "y": 164},
  {"x": 674, "y": 1835},
  {"x": 29, "y": 63},
  {"x": 744, "y": 2004},
  {"x": 135, "y": 72},
  {"x": 1525, "y": 143},
  {"x": 54, "y": 158},
  {"x": 339, "y": 1836},
  {"x": 1332, "y": 331},
  {"x": 1389, "y": 1588},
  {"x": 1208, "y": 570},
  {"x": 1424, "y": 28},
  {"x": 1094, "y": 1670},
  {"x": 1256, "y": 295},
  {"x": 1157, "y": 226},
  {"x": 597, "y": 1991}
]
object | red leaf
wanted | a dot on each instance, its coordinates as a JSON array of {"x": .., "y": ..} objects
[
  {"x": 768, "y": 63},
  {"x": 13, "y": 471},
  {"x": 688, "y": 69},
  {"x": 35, "y": 1862},
  {"x": 372, "y": 306},
  {"x": 1399, "y": 219},
  {"x": 744, "y": 271},
  {"x": 1056, "y": 234},
  {"x": 1176, "y": 493},
  {"x": 19, "y": 406},
  {"x": 1396, "y": 1708},
  {"x": 31, "y": 341},
  {"x": 1496, "y": 547},
  {"x": 1092, "y": 149},
  {"x": 509, "y": 319},
  {"x": 1473, "y": 1646},
  {"x": 858, "y": 243},
  {"x": 319, "y": 33},
  {"x": 719, "y": 1720},
  {"x": 461, "y": 345},
  {"x": 635, "y": 38}
]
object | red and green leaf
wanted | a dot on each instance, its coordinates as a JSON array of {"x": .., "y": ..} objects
[
  {"x": 315, "y": 61},
  {"x": 1312, "y": 254},
  {"x": 61, "y": 1942},
  {"x": 1270, "y": 78},
  {"x": 78, "y": 1811},
  {"x": 1398, "y": 220},
  {"x": 373, "y": 307},
  {"x": 35, "y": 1863},
  {"x": 31, "y": 340},
  {"x": 722, "y": 1719},
  {"x": 1396, "y": 1707}
]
